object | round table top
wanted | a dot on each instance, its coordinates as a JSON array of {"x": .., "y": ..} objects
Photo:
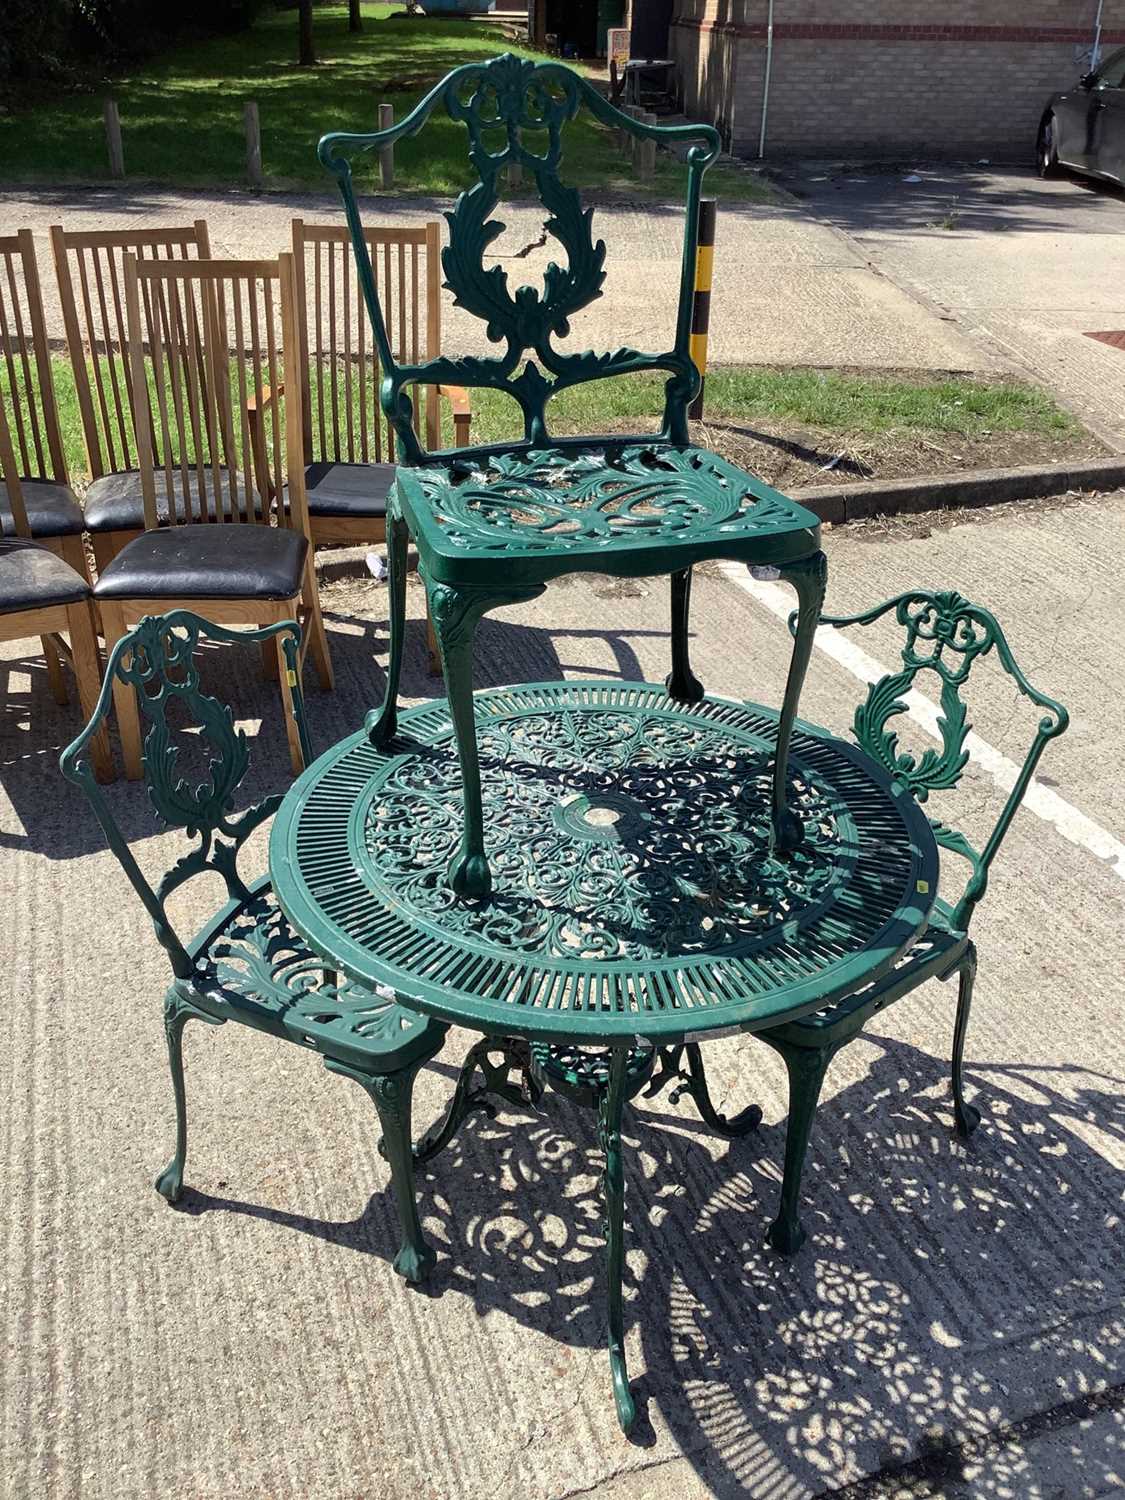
[{"x": 634, "y": 893}]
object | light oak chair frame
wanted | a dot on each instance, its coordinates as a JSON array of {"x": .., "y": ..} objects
[
  {"x": 195, "y": 350},
  {"x": 54, "y": 622},
  {"x": 90, "y": 271}
]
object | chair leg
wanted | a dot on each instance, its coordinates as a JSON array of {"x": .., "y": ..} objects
[
  {"x": 806, "y": 1067},
  {"x": 318, "y": 639},
  {"x": 433, "y": 654},
  {"x": 610, "y": 1107},
  {"x": 391, "y": 1095},
  {"x": 296, "y": 754},
  {"x": 681, "y": 682},
  {"x": 269, "y": 656},
  {"x": 124, "y": 695},
  {"x": 177, "y": 1013},
  {"x": 967, "y": 1115},
  {"x": 54, "y": 670},
  {"x": 88, "y": 674}
]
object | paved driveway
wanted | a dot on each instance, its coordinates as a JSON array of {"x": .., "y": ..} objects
[{"x": 1022, "y": 266}]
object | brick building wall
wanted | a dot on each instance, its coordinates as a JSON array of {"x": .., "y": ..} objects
[{"x": 885, "y": 77}]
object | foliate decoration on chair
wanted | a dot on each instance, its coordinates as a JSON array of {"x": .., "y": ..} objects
[
  {"x": 946, "y": 634},
  {"x": 523, "y": 102},
  {"x": 158, "y": 659}
]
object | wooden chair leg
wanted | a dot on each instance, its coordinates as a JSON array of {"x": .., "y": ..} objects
[
  {"x": 54, "y": 670},
  {"x": 318, "y": 639},
  {"x": 269, "y": 656},
  {"x": 124, "y": 697},
  {"x": 72, "y": 549},
  {"x": 296, "y": 755},
  {"x": 88, "y": 675}
]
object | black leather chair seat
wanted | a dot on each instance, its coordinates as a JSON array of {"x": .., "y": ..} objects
[
  {"x": 348, "y": 491},
  {"x": 213, "y": 560},
  {"x": 51, "y": 509},
  {"x": 115, "y": 502},
  {"x": 32, "y": 577}
]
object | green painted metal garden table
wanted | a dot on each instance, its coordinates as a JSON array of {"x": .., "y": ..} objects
[{"x": 639, "y": 904}]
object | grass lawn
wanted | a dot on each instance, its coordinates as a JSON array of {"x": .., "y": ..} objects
[{"x": 181, "y": 114}]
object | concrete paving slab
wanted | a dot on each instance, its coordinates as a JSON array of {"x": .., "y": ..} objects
[
  {"x": 787, "y": 288},
  {"x": 255, "y": 1342}
]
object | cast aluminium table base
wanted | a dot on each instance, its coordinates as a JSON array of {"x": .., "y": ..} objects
[{"x": 639, "y": 904}]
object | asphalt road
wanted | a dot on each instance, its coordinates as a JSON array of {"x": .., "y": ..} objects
[{"x": 957, "y": 1310}]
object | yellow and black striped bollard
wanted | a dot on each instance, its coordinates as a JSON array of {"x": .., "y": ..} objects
[{"x": 701, "y": 302}]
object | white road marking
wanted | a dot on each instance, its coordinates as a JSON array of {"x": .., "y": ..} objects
[{"x": 1074, "y": 826}]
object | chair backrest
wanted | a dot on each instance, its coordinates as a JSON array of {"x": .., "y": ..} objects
[
  {"x": 515, "y": 111},
  {"x": 945, "y": 636},
  {"x": 208, "y": 338},
  {"x": 158, "y": 658},
  {"x": 90, "y": 269},
  {"x": 15, "y": 521},
  {"x": 343, "y": 420},
  {"x": 27, "y": 389}
]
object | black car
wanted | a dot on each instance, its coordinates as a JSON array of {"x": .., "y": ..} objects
[{"x": 1085, "y": 127}]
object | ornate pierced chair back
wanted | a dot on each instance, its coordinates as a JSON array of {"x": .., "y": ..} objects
[
  {"x": 342, "y": 416},
  {"x": 159, "y": 658},
  {"x": 515, "y": 112},
  {"x": 946, "y": 635},
  {"x": 90, "y": 268},
  {"x": 27, "y": 389},
  {"x": 208, "y": 338}
]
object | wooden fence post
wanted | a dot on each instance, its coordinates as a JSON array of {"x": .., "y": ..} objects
[
  {"x": 253, "y": 145},
  {"x": 515, "y": 170},
  {"x": 113, "y": 138},
  {"x": 646, "y": 155},
  {"x": 386, "y": 153}
]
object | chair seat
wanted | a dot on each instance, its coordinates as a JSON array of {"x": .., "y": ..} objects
[
  {"x": 939, "y": 947},
  {"x": 51, "y": 509},
  {"x": 115, "y": 502},
  {"x": 351, "y": 491},
  {"x": 251, "y": 966},
  {"x": 32, "y": 577},
  {"x": 208, "y": 561}
]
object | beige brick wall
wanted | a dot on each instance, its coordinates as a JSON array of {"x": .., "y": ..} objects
[{"x": 881, "y": 78}]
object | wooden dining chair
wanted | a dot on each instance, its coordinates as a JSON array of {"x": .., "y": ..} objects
[
  {"x": 38, "y": 471},
  {"x": 204, "y": 338},
  {"x": 41, "y": 594},
  {"x": 90, "y": 269},
  {"x": 349, "y": 444}
]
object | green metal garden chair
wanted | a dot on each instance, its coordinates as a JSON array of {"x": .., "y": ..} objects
[
  {"x": 945, "y": 636},
  {"x": 247, "y": 963}
]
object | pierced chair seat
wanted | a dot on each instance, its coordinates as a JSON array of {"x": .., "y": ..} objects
[
  {"x": 348, "y": 491},
  {"x": 251, "y": 966},
  {"x": 208, "y": 561},
  {"x": 32, "y": 577},
  {"x": 115, "y": 502},
  {"x": 52, "y": 509}
]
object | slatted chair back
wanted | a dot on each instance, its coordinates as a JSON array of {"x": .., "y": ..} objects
[
  {"x": 343, "y": 420},
  {"x": 946, "y": 635},
  {"x": 90, "y": 268},
  {"x": 159, "y": 658},
  {"x": 26, "y": 383},
  {"x": 515, "y": 112},
  {"x": 10, "y": 476},
  {"x": 208, "y": 338}
]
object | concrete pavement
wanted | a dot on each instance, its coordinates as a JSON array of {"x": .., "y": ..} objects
[
  {"x": 788, "y": 290},
  {"x": 957, "y": 1309},
  {"x": 1024, "y": 267}
]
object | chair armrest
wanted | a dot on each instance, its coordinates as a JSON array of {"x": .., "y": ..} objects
[
  {"x": 256, "y": 404},
  {"x": 458, "y": 398}
]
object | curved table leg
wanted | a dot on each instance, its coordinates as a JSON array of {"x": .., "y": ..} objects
[
  {"x": 609, "y": 1130},
  {"x": 809, "y": 578},
  {"x": 456, "y": 613},
  {"x": 682, "y": 685},
  {"x": 694, "y": 1082},
  {"x": 495, "y": 1079},
  {"x": 382, "y": 722}
]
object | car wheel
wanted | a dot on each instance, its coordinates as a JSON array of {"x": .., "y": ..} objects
[{"x": 1047, "y": 153}]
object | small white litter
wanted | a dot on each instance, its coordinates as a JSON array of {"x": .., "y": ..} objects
[
  {"x": 914, "y": 177},
  {"x": 376, "y": 566},
  {"x": 984, "y": 161}
]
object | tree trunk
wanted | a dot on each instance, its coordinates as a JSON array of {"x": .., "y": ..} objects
[
  {"x": 307, "y": 57},
  {"x": 355, "y": 17}
]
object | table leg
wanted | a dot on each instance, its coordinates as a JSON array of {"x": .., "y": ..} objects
[
  {"x": 682, "y": 685},
  {"x": 382, "y": 722},
  {"x": 693, "y": 1081},
  {"x": 809, "y": 578},
  {"x": 456, "y": 614},
  {"x": 495, "y": 1079},
  {"x": 610, "y": 1108}
]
